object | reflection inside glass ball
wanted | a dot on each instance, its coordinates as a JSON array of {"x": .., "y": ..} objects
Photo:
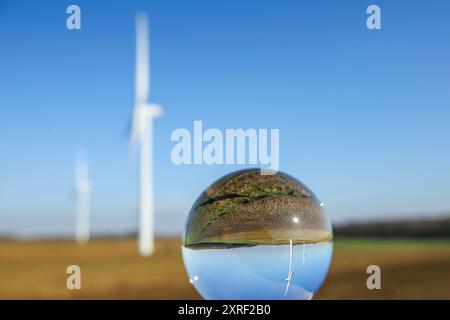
[{"x": 253, "y": 236}]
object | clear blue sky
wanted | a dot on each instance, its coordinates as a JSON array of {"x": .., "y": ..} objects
[{"x": 364, "y": 116}]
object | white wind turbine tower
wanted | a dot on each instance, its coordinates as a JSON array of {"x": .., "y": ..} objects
[
  {"x": 82, "y": 194},
  {"x": 141, "y": 133}
]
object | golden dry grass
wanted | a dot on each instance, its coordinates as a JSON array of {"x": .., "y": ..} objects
[{"x": 112, "y": 269}]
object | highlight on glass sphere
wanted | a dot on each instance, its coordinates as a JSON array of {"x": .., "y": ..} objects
[{"x": 253, "y": 236}]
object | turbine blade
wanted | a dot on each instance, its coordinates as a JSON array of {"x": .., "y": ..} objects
[
  {"x": 142, "y": 59},
  {"x": 127, "y": 129}
]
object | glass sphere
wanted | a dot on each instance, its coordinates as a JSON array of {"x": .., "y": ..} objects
[{"x": 253, "y": 236}]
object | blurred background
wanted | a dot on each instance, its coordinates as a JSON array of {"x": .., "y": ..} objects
[{"x": 363, "y": 118}]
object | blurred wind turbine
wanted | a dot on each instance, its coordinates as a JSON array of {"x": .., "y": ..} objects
[
  {"x": 304, "y": 254},
  {"x": 141, "y": 131},
  {"x": 82, "y": 194}
]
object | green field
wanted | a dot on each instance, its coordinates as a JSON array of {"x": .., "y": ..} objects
[{"x": 411, "y": 269}]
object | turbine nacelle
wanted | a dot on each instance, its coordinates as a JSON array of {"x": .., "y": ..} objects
[{"x": 143, "y": 113}]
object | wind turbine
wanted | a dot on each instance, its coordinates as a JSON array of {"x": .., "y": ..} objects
[
  {"x": 141, "y": 133},
  {"x": 291, "y": 270},
  {"x": 82, "y": 194}
]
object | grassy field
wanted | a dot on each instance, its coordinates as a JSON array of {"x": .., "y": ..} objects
[{"x": 411, "y": 269}]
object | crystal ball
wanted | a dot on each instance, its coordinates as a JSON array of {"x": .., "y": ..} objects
[{"x": 253, "y": 236}]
